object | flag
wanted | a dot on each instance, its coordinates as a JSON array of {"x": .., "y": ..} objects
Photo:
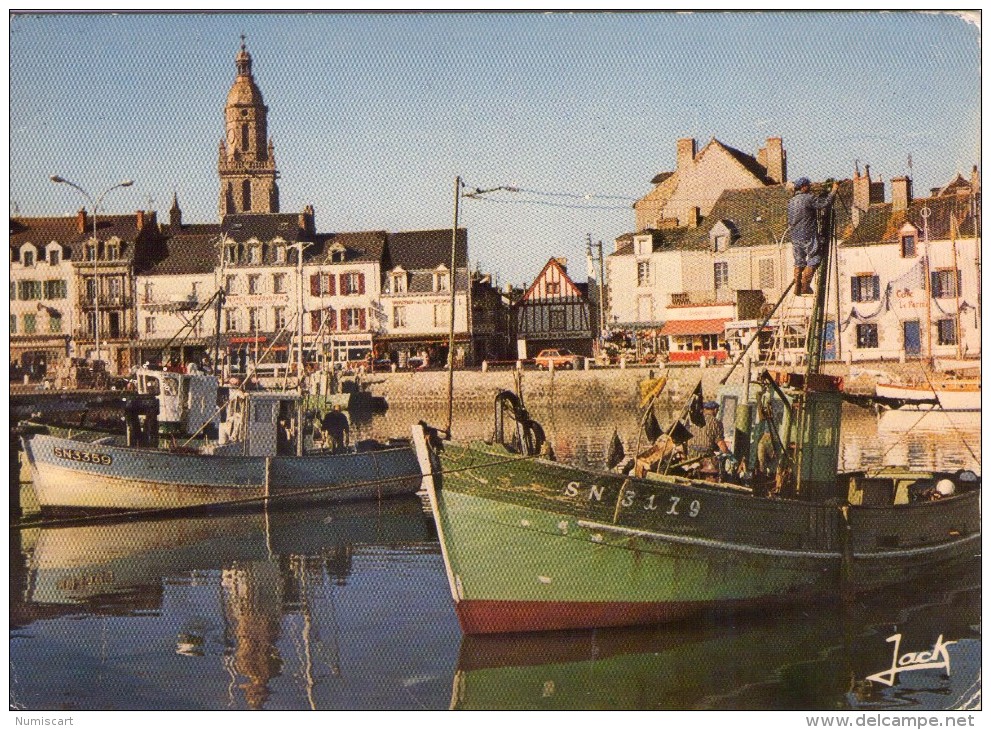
[
  {"x": 695, "y": 414},
  {"x": 651, "y": 428},
  {"x": 650, "y": 389},
  {"x": 616, "y": 451}
]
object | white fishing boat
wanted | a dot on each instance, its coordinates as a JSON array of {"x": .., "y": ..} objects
[
  {"x": 263, "y": 453},
  {"x": 946, "y": 395}
]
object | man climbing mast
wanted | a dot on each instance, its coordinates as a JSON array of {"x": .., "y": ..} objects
[{"x": 802, "y": 222}]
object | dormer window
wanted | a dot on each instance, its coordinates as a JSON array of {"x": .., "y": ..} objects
[
  {"x": 89, "y": 252},
  {"x": 442, "y": 280},
  {"x": 54, "y": 256},
  {"x": 721, "y": 235},
  {"x": 230, "y": 253},
  {"x": 908, "y": 245},
  {"x": 113, "y": 251},
  {"x": 399, "y": 282},
  {"x": 255, "y": 255},
  {"x": 28, "y": 257},
  {"x": 280, "y": 254},
  {"x": 337, "y": 254}
]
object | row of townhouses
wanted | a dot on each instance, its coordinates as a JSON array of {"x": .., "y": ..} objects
[
  {"x": 708, "y": 257},
  {"x": 711, "y": 252},
  {"x": 127, "y": 289}
]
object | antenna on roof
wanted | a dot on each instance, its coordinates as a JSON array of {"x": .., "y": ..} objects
[{"x": 910, "y": 165}]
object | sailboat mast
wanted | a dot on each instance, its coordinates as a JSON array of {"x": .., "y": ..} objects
[
  {"x": 926, "y": 285},
  {"x": 956, "y": 279}
]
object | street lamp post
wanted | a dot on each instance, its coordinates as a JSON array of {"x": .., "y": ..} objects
[{"x": 96, "y": 281}]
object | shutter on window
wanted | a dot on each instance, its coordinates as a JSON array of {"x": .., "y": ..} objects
[
  {"x": 361, "y": 290},
  {"x": 315, "y": 321},
  {"x": 315, "y": 285},
  {"x": 876, "y": 287},
  {"x": 331, "y": 285},
  {"x": 361, "y": 317},
  {"x": 331, "y": 319},
  {"x": 959, "y": 283},
  {"x": 934, "y": 284},
  {"x": 855, "y": 288}
]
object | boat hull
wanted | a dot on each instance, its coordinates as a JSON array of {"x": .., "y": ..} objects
[
  {"x": 951, "y": 396},
  {"x": 531, "y": 545},
  {"x": 69, "y": 474}
]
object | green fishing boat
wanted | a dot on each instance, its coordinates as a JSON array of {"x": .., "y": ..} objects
[{"x": 534, "y": 545}]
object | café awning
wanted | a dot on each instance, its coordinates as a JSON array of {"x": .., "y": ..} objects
[{"x": 685, "y": 327}]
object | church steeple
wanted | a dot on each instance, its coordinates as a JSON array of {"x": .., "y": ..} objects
[
  {"x": 247, "y": 156},
  {"x": 243, "y": 60},
  {"x": 175, "y": 215}
]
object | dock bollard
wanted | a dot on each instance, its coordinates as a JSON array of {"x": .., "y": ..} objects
[
  {"x": 588, "y": 363},
  {"x": 485, "y": 366}
]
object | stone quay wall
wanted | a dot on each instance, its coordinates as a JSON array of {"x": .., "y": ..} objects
[{"x": 613, "y": 385}]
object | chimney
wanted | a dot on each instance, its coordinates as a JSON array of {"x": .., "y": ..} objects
[
  {"x": 563, "y": 262},
  {"x": 694, "y": 216},
  {"x": 306, "y": 221},
  {"x": 686, "y": 153},
  {"x": 81, "y": 221},
  {"x": 901, "y": 193},
  {"x": 861, "y": 193},
  {"x": 975, "y": 180},
  {"x": 775, "y": 160}
]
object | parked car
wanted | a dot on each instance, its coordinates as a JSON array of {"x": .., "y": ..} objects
[{"x": 560, "y": 358}]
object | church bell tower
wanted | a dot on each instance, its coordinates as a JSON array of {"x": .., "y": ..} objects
[{"x": 246, "y": 162}]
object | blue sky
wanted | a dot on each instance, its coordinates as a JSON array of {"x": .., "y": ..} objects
[{"x": 373, "y": 116}]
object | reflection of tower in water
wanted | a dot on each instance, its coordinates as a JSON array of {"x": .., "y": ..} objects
[{"x": 252, "y": 593}]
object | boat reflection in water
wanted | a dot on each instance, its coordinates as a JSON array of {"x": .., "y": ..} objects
[
  {"x": 818, "y": 659},
  {"x": 234, "y": 611}
]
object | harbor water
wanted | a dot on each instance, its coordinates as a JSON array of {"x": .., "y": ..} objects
[{"x": 347, "y": 607}]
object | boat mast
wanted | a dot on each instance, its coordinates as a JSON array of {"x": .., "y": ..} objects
[
  {"x": 956, "y": 279},
  {"x": 817, "y": 319},
  {"x": 926, "y": 285}
]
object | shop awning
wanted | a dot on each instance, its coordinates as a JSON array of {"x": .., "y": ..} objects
[
  {"x": 694, "y": 327},
  {"x": 246, "y": 340}
]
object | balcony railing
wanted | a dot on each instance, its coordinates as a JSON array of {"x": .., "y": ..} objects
[
  {"x": 170, "y": 305},
  {"x": 83, "y": 335},
  {"x": 107, "y": 301},
  {"x": 702, "y": 297}
]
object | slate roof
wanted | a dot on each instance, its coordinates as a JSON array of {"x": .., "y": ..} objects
[
  {"x": 881, "y": 223},
  {"x": 242, "y": 227},
  {"x": 760, "y": 215},
  {"x": 359, "y": 246},
  {"x": 193, "y": 251},
  {"x": 667, "y": 239},
  {"x": 419, "y": 250},
  {"x": 42, "y": 231}
]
